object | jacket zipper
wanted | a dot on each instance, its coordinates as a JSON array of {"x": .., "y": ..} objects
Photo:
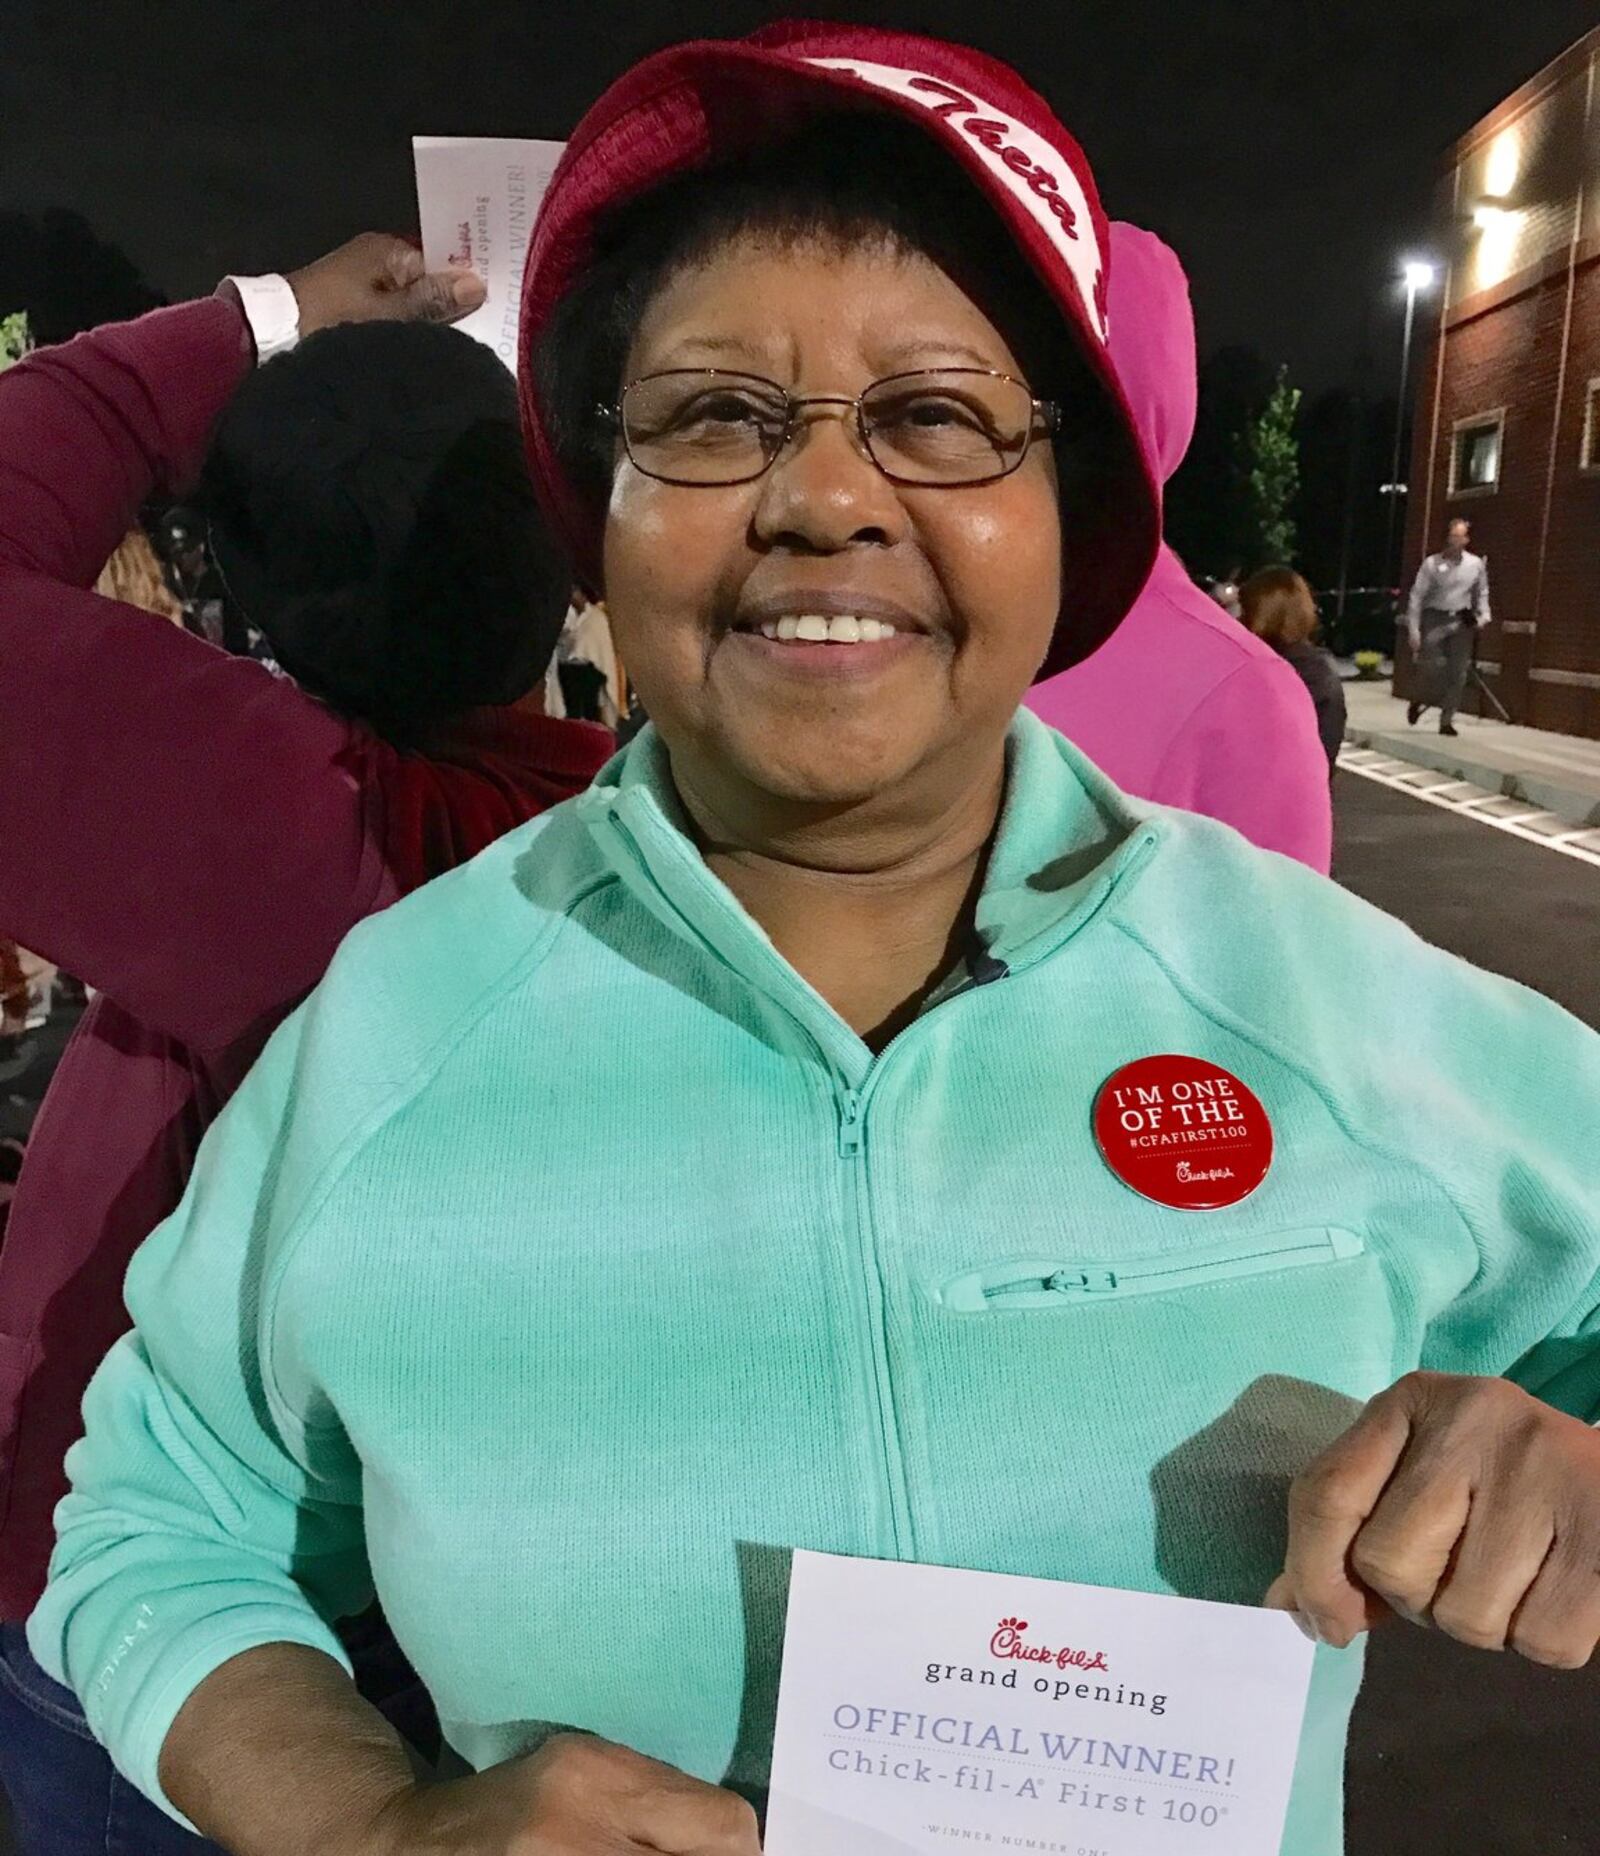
[
  {"x": 1051, "y": 1283},
  {"x": 852, "y": 1114},
  {"x": 852, "y": 1117}
]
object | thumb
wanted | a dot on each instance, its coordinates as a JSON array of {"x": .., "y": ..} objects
[{"x": 441, "y": 296}]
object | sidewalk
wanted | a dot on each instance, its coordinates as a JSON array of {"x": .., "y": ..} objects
[{"x": 1558, "y": 773}]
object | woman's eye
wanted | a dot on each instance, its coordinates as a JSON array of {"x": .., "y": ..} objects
[
  {"x": 931, "y": 413},
  {"x": 725, "y": 409}
]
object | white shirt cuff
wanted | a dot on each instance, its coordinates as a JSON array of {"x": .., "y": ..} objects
[{"x": 272, "y": 312}]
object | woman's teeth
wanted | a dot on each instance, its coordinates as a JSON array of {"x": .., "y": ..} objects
[{"x": 816, "y": 628}]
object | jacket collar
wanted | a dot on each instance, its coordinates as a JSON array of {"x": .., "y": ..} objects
[{"x": 1067, "y": 838}]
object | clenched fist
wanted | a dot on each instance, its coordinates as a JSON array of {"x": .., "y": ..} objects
[
  {"x": 379, "y": 279},
  {"x": 1459, "y": 1502},
  {"x": 376, "y": 278}
]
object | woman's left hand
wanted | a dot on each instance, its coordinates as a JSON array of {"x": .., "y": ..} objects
[{"x": 1459, "y": 1502}]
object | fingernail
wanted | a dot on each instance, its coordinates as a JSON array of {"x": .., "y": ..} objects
[
  {"x": 467, "y": 289},
  {"x": 1307, "y": 1626}
]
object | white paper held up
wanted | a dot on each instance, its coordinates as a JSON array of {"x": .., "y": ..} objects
[{"x": 476, "y": 200}]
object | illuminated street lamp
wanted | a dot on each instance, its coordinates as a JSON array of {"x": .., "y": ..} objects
[{"x": 1417, "y": 275}]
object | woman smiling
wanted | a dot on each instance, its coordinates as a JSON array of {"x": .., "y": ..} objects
[{"x": 744, "y": 1157}]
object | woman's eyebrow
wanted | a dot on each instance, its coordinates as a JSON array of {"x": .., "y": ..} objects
[
  {"x": 902, "y": 355},
  {"x": 914, "y": 348},
  {"x": 739, "y": 346}
]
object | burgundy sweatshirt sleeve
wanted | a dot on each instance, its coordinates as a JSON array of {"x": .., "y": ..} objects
[{"x": 152, "y": 789}]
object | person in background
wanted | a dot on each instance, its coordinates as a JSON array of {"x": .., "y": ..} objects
[
  {"x": 589, "y": 677},
  {"x": 1448, "y": 607},
  {"x": 1280, "y": 608},
  {"x": 1183, "y": 706},
  {"x": 193, "y": 835}
]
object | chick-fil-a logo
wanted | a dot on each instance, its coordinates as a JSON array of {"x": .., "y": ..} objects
[
  {"x": 1189, "y": 1174},
  {"x": 1007, "y": 1645},
  {"x": 1030, "y": 168}
]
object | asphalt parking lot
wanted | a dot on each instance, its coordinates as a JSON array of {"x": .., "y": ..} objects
[{"x": 1457, "y": 1752}]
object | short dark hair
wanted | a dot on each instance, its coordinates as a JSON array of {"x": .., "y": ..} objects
[
  {"x": 846, "y": 178},
  {"x": 372, "y": 514}
]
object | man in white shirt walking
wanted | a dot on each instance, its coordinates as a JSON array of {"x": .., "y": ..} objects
[{"x": 1449, "y": 603}]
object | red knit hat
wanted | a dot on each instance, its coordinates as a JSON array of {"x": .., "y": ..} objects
[{"x": 711, "y": 99}]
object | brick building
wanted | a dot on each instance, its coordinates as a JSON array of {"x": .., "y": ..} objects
[{"x": 1507, "y": 408}]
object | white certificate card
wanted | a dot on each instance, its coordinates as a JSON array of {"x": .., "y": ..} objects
[
  {"x": 477, "y": 198},
  {"x": 924, "y": 1709}
]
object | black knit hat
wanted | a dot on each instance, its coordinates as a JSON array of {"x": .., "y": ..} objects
[{"x": 371, "y": 513}]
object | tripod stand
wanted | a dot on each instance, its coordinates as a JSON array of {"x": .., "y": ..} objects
[{"x": 1476, "y": 680}]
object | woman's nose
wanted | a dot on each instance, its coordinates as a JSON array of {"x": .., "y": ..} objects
[{"x": 823, "y": 492}]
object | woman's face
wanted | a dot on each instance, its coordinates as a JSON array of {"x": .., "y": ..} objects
[{"x": 969, "y": 576}]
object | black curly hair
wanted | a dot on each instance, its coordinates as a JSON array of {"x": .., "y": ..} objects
[{"x": 371, "y": 513}]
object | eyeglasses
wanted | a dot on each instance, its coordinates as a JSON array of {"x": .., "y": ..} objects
[{"x": 945, "y": 426}]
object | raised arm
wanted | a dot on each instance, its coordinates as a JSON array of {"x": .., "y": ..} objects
[
  {"x": 90, "y": 430},
  {"x": 179, "y": 828}
]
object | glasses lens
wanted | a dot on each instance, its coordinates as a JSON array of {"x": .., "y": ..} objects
[
  {"x": 704, "y": 427},
  {"x": 951, "y": 426}
]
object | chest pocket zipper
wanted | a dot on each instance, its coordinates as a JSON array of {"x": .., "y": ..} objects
[{"x": 1052, "y": 1283}]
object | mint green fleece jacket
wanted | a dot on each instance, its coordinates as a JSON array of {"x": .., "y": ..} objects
[{"x": 566, "y": 1259}]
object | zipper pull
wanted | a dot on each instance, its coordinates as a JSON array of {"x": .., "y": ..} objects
[
  {"x": 1086, "y": 1282},
  {"x": 850, "y": 1126}
]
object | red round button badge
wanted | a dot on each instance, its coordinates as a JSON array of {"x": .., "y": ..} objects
[{"x": 1183, "y": 1132}]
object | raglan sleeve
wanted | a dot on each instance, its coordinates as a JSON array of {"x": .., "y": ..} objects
[
  {"x": 1508, "y": 1114},
  {"x": 210, "y": 1511}
]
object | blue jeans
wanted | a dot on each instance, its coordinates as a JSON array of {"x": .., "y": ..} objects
[{"x": 67, "y": 1799}]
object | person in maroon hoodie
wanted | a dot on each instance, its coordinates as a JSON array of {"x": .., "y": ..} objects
[{"x": 194, "y": 835}]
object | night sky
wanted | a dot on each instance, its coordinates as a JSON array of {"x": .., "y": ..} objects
[{"x": 1288, "y": 151}]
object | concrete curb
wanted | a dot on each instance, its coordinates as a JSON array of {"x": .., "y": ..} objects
[{"x": 1573, "y": 802}]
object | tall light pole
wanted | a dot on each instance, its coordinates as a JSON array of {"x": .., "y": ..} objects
[
  {"x": 1353, "y": 452},
  {"x": 1418, "y": 276}
]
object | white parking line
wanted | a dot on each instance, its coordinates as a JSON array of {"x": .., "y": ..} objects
[{"x": 1452, "y": 796}]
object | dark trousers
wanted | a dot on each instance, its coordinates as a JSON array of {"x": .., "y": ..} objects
[
  {"x": 67, "y": 1799},
  {"x": 1443, "y": 661}
]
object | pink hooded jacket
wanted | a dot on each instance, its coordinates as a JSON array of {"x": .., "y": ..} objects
[{"x": 1183, "y": 706}]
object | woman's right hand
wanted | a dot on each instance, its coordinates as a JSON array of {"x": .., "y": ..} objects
[{"x": 576, "y": 1796}]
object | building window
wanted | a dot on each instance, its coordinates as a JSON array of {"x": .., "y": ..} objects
[
  {"x": 1590, "y": 456},
  {"x": 1475, "y": 453}
]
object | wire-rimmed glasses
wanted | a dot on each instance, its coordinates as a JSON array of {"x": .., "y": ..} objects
[{"x": 947, "y": 426}]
